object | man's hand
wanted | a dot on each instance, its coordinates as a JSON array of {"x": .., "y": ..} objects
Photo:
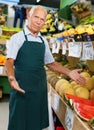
[
  {"x": 74, "y": 75},
  {"x": 15, "y": 85}
]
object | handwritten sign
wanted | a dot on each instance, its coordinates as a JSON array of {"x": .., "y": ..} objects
[
  {"x": 56, "y": 102},
  {"x": 69, "y": 118},
  {"x": 87, "y": 51},
  {"x": 75, "y": 49}
]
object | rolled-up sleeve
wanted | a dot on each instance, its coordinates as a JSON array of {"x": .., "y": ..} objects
[{"x": 48, "y": 55}]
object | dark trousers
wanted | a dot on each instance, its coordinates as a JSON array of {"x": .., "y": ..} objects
[{"x": 18, "y": 15}]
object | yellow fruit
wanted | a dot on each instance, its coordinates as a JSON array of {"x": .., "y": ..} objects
[
  {"x": 89, "y": 83},
  {"x": 92, "y": 79},
  {"x": 76, "y": 86},
  {"x": 69, "y": 90},
  {"x": 63, "y": 87},
  {"x": 59, "y": 83},
  {"x": 82, "y": 92},
  {"x": 92, "y": 94},
  {"x": 85, "y": 74},
  {"x": 73, "y": 83}
]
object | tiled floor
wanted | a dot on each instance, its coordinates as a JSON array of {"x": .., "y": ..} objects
[
  {"x": 4, "y": 104},
  {"x": 4, "y": 113}
]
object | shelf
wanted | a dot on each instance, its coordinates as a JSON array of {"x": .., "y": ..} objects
[{"x": 60, "y": 108}]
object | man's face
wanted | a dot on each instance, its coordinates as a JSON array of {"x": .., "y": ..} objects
[{"x": 36, "y": 20}]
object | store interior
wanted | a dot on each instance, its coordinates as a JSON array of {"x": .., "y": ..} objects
[{"x": 69, "y": 30}]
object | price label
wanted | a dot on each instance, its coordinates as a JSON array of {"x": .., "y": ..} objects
[
  {"x": 56, "y": 47},
  {"x": 64, "y": 48},
  {"x": 87, "y": 51},
  {"x": 1, "y": 69},
  {"x": 69, "y": 118},
  {"x": 75, "y": 49},
  {"x": 56, "y": 102}
]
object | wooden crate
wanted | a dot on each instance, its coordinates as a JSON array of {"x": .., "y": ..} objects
[
  {"x": 83, "y": 14},
  {"x": 60, "y": 108}
]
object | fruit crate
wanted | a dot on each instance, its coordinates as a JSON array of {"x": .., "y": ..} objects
[
  {"x": 83, "y": 14},
  {"x": 65, "y": 13},
  {"x": 60, "y": 108}
]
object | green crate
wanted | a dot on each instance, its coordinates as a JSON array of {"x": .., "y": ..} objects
[
  {"x": 65, "y": 13},
  {"x": 5, "y": 84}
]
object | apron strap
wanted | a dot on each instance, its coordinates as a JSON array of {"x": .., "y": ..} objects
[
  {"x": 27, "y": 39},
  {"x": 41, "y": 39},
  {"x": 25, "y": 35}
]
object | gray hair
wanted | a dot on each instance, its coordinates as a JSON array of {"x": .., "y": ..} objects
[{"x": 34, "y": 8}]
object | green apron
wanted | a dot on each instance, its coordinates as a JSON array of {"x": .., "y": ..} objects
[{"x": 29, "y": 111}]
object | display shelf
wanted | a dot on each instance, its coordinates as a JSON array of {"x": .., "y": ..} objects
[{"x": 60, "y": 108}]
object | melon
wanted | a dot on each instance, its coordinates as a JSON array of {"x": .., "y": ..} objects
[
  {"x": 49, "y": 76},
  {"x": 62, "y": 87},
  {"x": 73, "y": 83},
  {"x": 75, "y": 98},
  {"x": 70, "y": 90},
  {"x": 92, "y": 94},
  {"x": 82, "y": 92},
  {"x": 85, "y": 74},
  {"x": 54, "y": 81},
  {"x": 92, "y": 80},
  {"x": 76, "y": 86},
  {"x": 86, "y": 112},
  {"x": 89, "y": 83},
  {"x": 59, "y": 83}
]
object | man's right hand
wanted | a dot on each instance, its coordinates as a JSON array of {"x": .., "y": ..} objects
[{"x": 14, "y": 84}]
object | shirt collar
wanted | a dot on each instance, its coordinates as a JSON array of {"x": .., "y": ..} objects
[{"x": 27, "y": 32}]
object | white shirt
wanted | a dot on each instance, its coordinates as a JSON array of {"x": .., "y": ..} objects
[{"x": 17, "y": 40}]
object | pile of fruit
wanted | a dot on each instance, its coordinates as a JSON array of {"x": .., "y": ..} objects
[
  {"x": 81, "y": 10},
  {"x": 79, "y": 97},
  {"x": 2, "y": 59}
]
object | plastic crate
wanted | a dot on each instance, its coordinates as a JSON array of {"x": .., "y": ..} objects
[{"x": 65, "y": 13}]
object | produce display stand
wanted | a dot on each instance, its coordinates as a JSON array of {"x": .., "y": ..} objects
[
  {"x": 4, "y": 84},
  {"x": 61, "y": 108}
]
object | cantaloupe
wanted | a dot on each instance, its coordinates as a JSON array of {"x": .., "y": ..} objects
[
  {"x": 59, "y": 83},
  {"x": 92, "y": 94},
  {"x": 92, "y": 80},
  {"x": 82, "y": 92},
  {"x": 73, "y": 83},
  {"x": 76, "y": 86},
  {"x": 69, "y": 90},
  {"x": 89, "y": 83},
  {"x": 85, "y": 74},
  {"x": 62, "y": 87}
]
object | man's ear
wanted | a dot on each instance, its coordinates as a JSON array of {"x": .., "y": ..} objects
[{"x": 27, "y": 12}]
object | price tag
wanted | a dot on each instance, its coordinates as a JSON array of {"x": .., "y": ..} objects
[
  {"x": 56, "y": 47},
  {"x": 56, "y": 102},
  {"x": 75, "y": 49},
  {"x": 69, "y": 118},
  {"x": 1, "y": 69},
  {"x": 64, "y": 48},
  {"x": 87, "y": 51}
]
